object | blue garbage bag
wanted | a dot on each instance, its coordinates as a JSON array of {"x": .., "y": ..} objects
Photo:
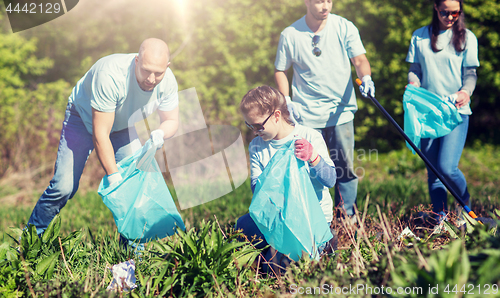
[
  {"x": 141, "y": 203},
  {"x": 286, "y": 209},
  {"x": 427, "y": 115}
]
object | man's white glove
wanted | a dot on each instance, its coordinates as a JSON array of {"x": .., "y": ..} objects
[
  {"x": 292, "y": 109},
  {"x": 113, "y": 178},
  {"x": 367, "y": 86},
  {"x": 157, "y": 138}
]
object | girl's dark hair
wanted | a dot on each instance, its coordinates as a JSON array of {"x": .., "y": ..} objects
[
  {"x": 458, "y": 39},
  {"x": 265, "y": 100}
]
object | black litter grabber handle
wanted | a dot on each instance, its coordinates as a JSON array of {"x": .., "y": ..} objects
[{"x": 427, "y": 162}]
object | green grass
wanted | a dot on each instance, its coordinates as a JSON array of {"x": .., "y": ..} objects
[{"x": 371, "y": 254}]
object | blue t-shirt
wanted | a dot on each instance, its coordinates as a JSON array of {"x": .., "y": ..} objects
[
  {"x": 442, "y": 71},
  {"x": 111, "y": 86},
  {"x": 321, "y": 86}
]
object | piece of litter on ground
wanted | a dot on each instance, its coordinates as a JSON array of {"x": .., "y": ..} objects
[
  {"x": 439, "y": 228},
  {"x": 407, "y": 233},
  {"x": 123, "y": 276}
]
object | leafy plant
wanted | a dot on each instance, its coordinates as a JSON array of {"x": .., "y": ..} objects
[{"x": 199, "y": 262}]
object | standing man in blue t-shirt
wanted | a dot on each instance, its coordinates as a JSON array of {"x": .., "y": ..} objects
[
  {"x": 97, "y": 116},
  {"x": 321, "y": 46}
]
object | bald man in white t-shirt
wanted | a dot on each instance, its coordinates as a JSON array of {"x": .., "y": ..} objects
[{"x": 97, "y": 117}]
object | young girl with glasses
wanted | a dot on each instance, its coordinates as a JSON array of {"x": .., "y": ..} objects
[
  {"x": 265, "y": 112},
  {"x": 443, "y": 57}
]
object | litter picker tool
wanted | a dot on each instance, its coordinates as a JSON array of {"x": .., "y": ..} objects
[{"x": 428, "y": 163}]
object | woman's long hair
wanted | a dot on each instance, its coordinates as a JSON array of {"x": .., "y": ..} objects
[{"x": 459, "y": 33}]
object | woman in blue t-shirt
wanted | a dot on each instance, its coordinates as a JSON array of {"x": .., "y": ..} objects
[{"x": 443, "y": 57}]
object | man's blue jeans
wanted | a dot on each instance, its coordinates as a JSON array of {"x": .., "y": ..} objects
[
  {"x": 444, "y": 153},
  {"x": 75, "y": 146},
  {"x": 340, "y": 141}
]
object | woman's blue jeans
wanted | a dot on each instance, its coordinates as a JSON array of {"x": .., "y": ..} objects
[
  {"x": 444, "y": 153},
  {"x": 75, "y": 146}
]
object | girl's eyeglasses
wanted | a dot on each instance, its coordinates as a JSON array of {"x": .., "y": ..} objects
[
  {"x": 445, "y": 13},
  {"x": 258, "y": 127}
]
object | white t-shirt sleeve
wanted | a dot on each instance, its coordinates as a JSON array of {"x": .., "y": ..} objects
[
  {"x": 105, "y": 94},
  {"x": 283, "y": 56},
  {"x": 319, "y": 144},
  {"x": 170, "y": 97},
  {"x": 470, "y": 52},
  {"x": 412, "y": 56},
  {"x": 352, "y": 40},
  {"x": 256, "y": 166}
]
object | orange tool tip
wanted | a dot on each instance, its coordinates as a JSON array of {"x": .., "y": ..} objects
[
  {"x": 358, "y": 81},
  {"x": 472, "y": 214}
]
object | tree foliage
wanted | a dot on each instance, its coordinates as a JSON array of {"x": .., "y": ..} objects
[
  {"x": 386, "y": 27},
  {"x": 27, "y": 115},
  {"x": 483, "y": 18},
  {"x": 223, "y": 48}
]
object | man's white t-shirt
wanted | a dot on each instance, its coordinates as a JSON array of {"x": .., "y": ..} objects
[
  {"x": 111, "y": 86},
  {"x": 322, "y": 85}
]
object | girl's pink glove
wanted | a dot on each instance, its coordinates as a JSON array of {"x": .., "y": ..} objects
[{"x": 303, "y": 149}]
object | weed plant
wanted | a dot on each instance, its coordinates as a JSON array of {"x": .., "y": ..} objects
[{"x": 73, "y": 256}]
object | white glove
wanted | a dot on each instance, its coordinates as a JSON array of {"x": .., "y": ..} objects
[
  {"x": 452, "y": 98},
  {"x": 113, "y": 178},
  {"x": 157, "y": 138},
  {"x": 367, "y": 87},
  {"x": 292, "y": 109}
]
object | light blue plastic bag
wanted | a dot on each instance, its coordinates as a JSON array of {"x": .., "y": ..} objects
[
  {"x": 427, "y": 115},
  {"x": 286, "y": 209},
  {"x": 141, "y": 203}
]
